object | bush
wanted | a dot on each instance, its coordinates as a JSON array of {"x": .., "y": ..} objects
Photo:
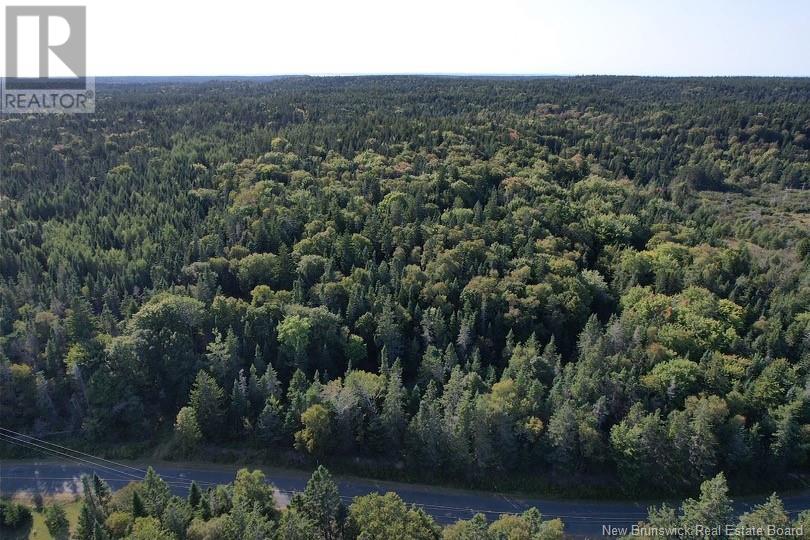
[
  {"x": 57, "y": 522},
  {"x": 212, "y": 529},
  {"x": 119, "y": 523},
  {"x": 13, "y": 515}
]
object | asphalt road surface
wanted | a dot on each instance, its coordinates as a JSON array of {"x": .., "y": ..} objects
[{"x": 582, "y": 518}]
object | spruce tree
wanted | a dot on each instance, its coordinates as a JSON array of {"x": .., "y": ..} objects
[
  {"x": 138, "y": 508},
  {"x": 320, "y": 503},
  {"x": 392, "y": 415},
  {"x": 85, "y": 524},
  {"x": 206, "y": 399},
  {"x": 194, "y": 495}
]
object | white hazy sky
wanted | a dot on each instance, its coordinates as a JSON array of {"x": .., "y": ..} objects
[{"x": 643, "y": 37}]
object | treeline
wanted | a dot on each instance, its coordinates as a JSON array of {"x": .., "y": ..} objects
[
  {"x": 712, "y": 514},
  {"x": 246, "y": 509},
  {"x": 469, "y": 277}
]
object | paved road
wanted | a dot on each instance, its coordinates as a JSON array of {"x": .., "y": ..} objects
[{"x": 582, "y": 518}]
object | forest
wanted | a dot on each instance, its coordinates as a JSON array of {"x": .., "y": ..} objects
[{"x": 560, "y": 284}]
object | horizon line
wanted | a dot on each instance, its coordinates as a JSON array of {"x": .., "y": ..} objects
[{"x": 451, "y": 74}]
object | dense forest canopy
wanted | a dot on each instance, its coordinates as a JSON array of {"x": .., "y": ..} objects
[{"x": 463, "y": 277}]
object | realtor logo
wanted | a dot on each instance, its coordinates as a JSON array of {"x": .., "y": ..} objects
[{"x": 46, "y": 61}]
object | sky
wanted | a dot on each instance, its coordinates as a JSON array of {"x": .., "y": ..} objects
[{"x": 568, "y": 37}]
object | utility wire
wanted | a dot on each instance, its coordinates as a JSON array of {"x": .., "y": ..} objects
[
  {"x": 27, "y": 444},
  {"x": 2, "y": 429},
  {"x": 182, "y": 482}
]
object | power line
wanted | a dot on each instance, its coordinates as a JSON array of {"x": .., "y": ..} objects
[
  {"x": 182, "y": 482},
  {"x": 63, "y": 479},
  {"x": 606, "y": 517},
  {"x": 19, "y": 439},
  {"x": 65, "y": 448},
  {"x": 72, "y": 450},
  {"x": 27, "y": 444}
]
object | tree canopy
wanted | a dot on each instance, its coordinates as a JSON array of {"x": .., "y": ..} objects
[{"x": 529, "y": 279}]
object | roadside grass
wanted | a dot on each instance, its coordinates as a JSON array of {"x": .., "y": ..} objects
[{"x": 38, "y": 530}]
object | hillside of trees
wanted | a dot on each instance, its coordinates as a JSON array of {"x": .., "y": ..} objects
[{"x": 463, "y": 279}]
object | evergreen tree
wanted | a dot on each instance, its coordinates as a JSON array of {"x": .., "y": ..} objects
[
  {"x": 176, "y": 517},
  {"x": 388, "y": 332},
  {"x": 294, "y": 525},
  {"x": 222, "y": 356},
  {"x": 99, "y": 533},
  {"x": 425, "y": 431},
  {"x": 206, "y": 399},
  {"x": 271, "y": 421},
  {"x": 771, "y": 513},
  {"x": 269, "y": 383},
  {"x": 85, "y": 525},
  {"x": 712, "y": 508},
  {"x": 296, "y": 401},
  {"x": 156, "y": 493},
  {"x": 238, "y": 411},
  {"x": 393, "y": 415},
  {"x": 138, "y": 507},
  {"x": 194, "y": 495},
  {"x": 57, "y": 522},
  {"x": 101, "y": 490},
  {"x": 320, "y": 504},
  {"x": 255, "y": 392}
]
